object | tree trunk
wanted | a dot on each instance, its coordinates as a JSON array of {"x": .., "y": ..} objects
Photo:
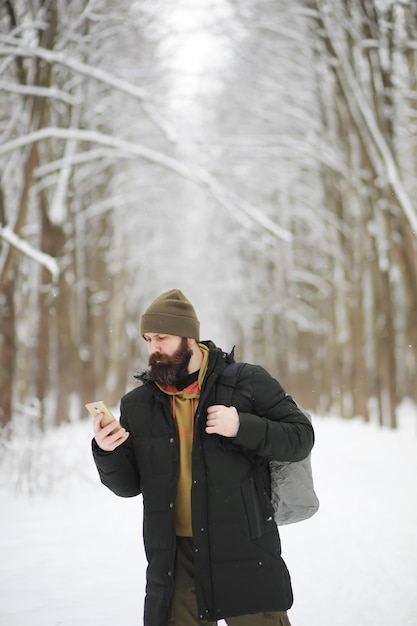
[{"x": 7, "y": 352}]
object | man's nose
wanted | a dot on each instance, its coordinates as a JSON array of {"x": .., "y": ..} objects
[{"x": 153, "y": 348}]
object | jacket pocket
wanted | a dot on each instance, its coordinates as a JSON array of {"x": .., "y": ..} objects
[{"x": 259, "y": 519}]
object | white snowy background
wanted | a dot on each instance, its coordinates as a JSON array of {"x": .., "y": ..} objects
[{"x": 72, "y": 555}]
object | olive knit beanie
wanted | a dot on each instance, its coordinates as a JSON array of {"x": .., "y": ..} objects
[{"x": 172, "y": 314}]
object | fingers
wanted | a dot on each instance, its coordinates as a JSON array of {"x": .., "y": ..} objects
[
  {"x": 213, "y": 418},
  {"x": 109, "y": 437},
  {"x": 222, "y": 420},
  {"x": 211, "y": 425},
  {"x": 214, "y": 408},
  {"x": 96, "y": 423}
]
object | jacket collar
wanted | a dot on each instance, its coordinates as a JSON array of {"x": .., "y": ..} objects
[{"x": 217, "y": 361}]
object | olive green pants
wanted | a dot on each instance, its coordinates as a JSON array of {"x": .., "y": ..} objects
[{"x": 184, "y": 605}]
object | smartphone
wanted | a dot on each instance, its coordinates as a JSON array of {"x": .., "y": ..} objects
[{"x": 100, "y": 407}]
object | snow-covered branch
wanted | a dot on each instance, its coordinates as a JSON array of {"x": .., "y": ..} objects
[
  {"x": 51, "y": 56},
  {"x": 84, "y": 69},
  {"x": 244, "y": 213},
  {"x": 36, "y": 255},
  {"x": 92, "y": 136},
  {"x": 44, "y": 92},
  {"x": 77, "y": 159}
]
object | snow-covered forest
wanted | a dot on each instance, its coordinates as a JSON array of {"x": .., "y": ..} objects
[{"x": 261, "y": 155}]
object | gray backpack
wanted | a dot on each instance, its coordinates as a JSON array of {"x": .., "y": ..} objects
[{"x": 292, "y": 489}]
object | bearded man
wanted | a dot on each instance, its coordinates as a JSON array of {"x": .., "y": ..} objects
[{"x": 212, "y": 546}]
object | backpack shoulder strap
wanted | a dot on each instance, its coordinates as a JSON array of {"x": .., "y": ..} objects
[{"x": 227, "y": 382}]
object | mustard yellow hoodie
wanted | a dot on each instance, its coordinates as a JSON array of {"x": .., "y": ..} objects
[{"x": 184, "y": 405}]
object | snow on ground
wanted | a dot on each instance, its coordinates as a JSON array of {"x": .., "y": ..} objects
[{"x": 72, "y": 555}]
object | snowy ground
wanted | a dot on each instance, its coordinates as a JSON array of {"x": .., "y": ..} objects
[{"x": 71, "y": 552}]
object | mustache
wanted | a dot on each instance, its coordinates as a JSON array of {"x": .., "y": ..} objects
[
  {"x": 164, "y": 359},
  {"x": 156, "y": 359}
]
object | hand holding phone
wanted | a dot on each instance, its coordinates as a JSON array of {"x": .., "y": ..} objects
[{"x": 107, "y": 438}]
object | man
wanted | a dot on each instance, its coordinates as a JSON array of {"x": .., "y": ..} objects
[{"x": 212, "y": 546}]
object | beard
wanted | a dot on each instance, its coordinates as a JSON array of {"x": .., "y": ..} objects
[{"x": 170, "y": 369}]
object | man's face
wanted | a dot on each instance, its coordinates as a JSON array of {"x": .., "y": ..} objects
[{"x": 169, "y": 357}]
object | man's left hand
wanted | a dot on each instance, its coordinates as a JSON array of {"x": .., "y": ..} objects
[{"x": 222, "y": 420}]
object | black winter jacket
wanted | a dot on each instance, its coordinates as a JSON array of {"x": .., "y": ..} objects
[{"x": 238, "y": 567}]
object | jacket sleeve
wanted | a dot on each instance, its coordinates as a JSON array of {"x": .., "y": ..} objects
[
  {"x": 275, "y": 428},
  {"x": 118, "y": 470}
]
